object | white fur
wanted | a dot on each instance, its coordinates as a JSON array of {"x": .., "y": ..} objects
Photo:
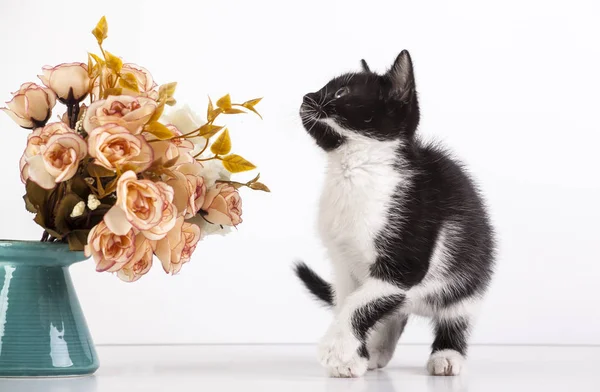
[
  {"x": 360, "y": 182},
  {"x": 445, "y": 363}
]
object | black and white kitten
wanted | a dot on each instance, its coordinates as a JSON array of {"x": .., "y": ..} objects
[{"x": 404, "y": 226}]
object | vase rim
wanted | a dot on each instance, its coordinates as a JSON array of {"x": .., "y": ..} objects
[{"x": 36, "y": 253}]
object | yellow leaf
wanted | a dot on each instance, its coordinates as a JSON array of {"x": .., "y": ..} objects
[
  {"x": 222, "y": 145},
  {"x": 129, "y": 82},
  {"x": 208, "y": 130},
  {"x": 224, "y": 102},
  {"x": 236, "y": 164},
  {"x": 159, "y": 130},
  {"x": 96, "y": 58},
  {"x": 113, "y": 91},
  {"x": 166, "y": 91},
  {"x": 259, "y": 186},
  {"x": 101, "y": 30},
  {"x": 233, "y": 111},
  {"x": 250, "y": 105},
  {"x": 113, "y": 62},
  {"x": 90, "y": 66},
  {"x": 157, "y": 113},
  {"x": 210, "y": 108}
]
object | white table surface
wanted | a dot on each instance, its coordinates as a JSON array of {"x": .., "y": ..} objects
[{"x": 289, "y": 368}]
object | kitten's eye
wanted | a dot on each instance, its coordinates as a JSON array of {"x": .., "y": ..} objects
[{"x": 341, "y": 92}]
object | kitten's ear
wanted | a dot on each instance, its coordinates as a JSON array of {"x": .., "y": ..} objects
[
  {"x": 365, "y": 66},
  {"x": 402, "y": 77}
]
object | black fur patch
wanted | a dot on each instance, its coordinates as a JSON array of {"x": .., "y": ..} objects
[{"x": 367, "y": 316}]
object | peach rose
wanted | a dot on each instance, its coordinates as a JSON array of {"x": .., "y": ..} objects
[
  {"x": 223, "y": 205},
  {"x": 144, "y": 79},
  {"x": 142, "y": 204},
  {"x": 177, "y": 247},
  {"x": 31, "y": 106},
  {"x": 110, "y": 251},
  {"x": 36, "y": 140},
  {"x": 140, "y": 262},
  {"x": 169, "y": 214},
  {"x": 191, "y": 235},
  {"x": 114, "y": 146},
  {"x": 70, "y": 82},
  {"x": 57, "y": 160},
  {"x": 176, "y": 151},
  {"x": 130, "y": 112},
  {"x": 189, "y": 188}
]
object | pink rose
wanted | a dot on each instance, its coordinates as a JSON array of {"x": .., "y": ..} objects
[
  {"x": 38, "y": 139},
  {"x": 114, "y": 146},
  {"x": 223, "y": 205},
  {"x": 31, "y": 106},
  {"x": 109, "y": 250},
  {"x": 70, "y": 82},
  {"x": 189, "y": 187},
  {"x": 177, "y": 247},
  {"x": 129, "y": 112},
  {"x": 140, "y": 262},
  {"x": 142, "y": 204}
]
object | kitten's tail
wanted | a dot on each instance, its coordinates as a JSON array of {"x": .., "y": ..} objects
[{"x": 318, "y": 287}]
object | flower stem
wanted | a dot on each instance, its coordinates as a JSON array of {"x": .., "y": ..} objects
[
  {"x": 204, "y": 149},
  {"x": 209, "y": 159}
]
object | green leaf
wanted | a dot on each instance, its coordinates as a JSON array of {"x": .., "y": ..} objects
[
  {"x": 80, "y": 187},
  {"x": 236, "y": 164},
  {"x": 29, "y": 206},
  {"x": 37, "y": 195},
  {"x": 99, "y": 171},
  {"x": 78, "y": 239},
  {"x": 101, "y": 30},
  {"x": 222, "y": 145},
  {"x": 63, "y": 213}
]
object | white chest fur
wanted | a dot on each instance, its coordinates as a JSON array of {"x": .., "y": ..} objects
[{"x": 360, "y": 182}]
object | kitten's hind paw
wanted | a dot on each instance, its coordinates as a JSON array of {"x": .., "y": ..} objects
[
  {"x": 378, "y": 359},
  {"x": 445, "y": 363}
]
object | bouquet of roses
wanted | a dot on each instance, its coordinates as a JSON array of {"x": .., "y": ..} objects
[{"x": 116, "y": 177}]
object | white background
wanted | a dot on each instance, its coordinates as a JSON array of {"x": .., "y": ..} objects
[{"x": 511, "y": 86}]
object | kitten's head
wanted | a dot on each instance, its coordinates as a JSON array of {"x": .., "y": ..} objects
[{"x": 381, "y": 107}]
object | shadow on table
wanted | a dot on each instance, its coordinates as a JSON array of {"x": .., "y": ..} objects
[{"x": 72, "y": 384}]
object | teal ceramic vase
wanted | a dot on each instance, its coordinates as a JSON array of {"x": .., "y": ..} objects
[{"x": 43, "y": 332}]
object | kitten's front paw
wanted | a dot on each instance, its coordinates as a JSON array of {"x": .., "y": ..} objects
[
  {"x": 445, "y": 363},
  {"x": 338, "y": 352}
]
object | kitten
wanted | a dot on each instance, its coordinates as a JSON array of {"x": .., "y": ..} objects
[{"x": 404, "y": 225}]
